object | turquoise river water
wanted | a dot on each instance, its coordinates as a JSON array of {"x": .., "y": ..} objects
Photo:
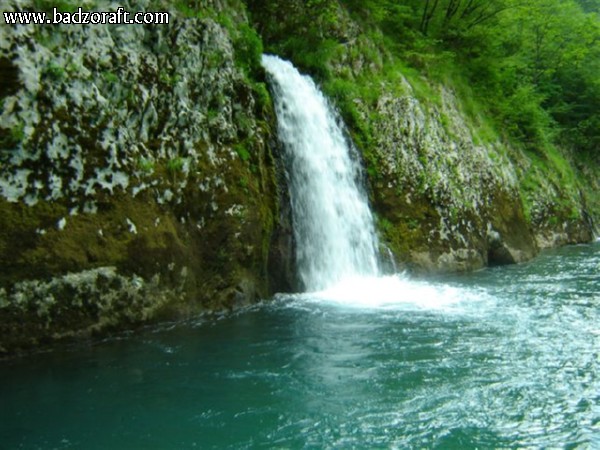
[{"x": 507, "y": 357}]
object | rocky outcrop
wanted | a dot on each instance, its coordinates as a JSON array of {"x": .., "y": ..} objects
[
  {"x": 467, "y": 192},
  {"x": 136, "y": 178},
  {"x": 446, "y": 201}
]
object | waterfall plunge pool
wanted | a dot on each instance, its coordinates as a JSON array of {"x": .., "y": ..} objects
[{"x": 507, "y": 357}]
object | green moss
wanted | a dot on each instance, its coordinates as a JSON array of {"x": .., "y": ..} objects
[
  {"x": 168, "y": 79},
  {"x": 20, "y": 228},
  {"x": 11, "y": 138},
  {"x": 110, "y": 77},
  {"x": 60, "y": 5},
  {"x": 404, "y": 225},
  {"x": 193, "y": 9},
  {"x": 550, "y": 169},
  {"x": 175, "y": 165},
  {"x": 145, "y": 165},
  {"x": 559, "y": 164},
  {"x": 248, "y": 49},
  {"x": 55, "y": 71},
  {"x": 32, "y": 245},
  {"x": 242, "y": 152},
  {"x": 423, "y": 90}
]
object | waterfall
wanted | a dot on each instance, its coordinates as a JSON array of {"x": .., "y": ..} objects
[{"x": 333, "y": 226}]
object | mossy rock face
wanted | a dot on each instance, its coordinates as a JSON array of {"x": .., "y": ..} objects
[
  {"x": 138, "y": 183},
  {"x": 561, "y": 226},
  {"x": 417, "y": 234},
  {"x": 180, "y": 269},
  {"x": 509, "y": 236},
  {"x": 77, "y": 305},
  {"x": 443, "y": 202}
]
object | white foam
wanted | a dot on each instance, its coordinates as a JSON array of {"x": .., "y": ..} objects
[{"x": 392, "y": 292}]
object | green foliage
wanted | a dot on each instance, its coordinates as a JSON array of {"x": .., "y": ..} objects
[
  {"x": 248, "y": 49},
  {"x": 308, "y": 33},
  {"x": 523, "y": 117},
  {"x": 192, "y": 8},
  {"x": 145, "y": 165},
  {"x": 55, "y": 71},
  {"x": 262, "y": 97},
  {"x": 110, "y": 77},
  {"x": 11, "y": 138},
  {"x": 313, "y": 59},
  {"x": 384, "y": 225},
  {"x": 175, "y": 165},
  {"x": 421, "y": 87},
  {"x": 561, "y": 167},
  {"x": 323, "y": 11},
  {"x": 344, "y": 94},
  {"x": 60, "y": 5},
  {"x": 168, "y": 79},
  {"x": 244, "y": 184},
  {"x": 533, "y": 64},
  {"x": 17, "y": 133},
  {"x": 242, "y": 152},
  {"x": 550, "y": 168}
]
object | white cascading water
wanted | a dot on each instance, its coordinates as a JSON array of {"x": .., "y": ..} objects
[
  {"x": 333, "y": 226},
  {"x": 336, "y": 245}
]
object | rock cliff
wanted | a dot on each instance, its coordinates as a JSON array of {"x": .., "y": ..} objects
[{"x": 136, "y": 177}]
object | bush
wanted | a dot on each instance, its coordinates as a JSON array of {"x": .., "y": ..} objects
[{"x": 248, "y": 50}]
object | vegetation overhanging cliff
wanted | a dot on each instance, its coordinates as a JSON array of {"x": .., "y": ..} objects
[{"x": 139, "y": 175}]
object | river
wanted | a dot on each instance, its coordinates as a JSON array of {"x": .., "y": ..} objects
[{"x": 508, "y": 357}]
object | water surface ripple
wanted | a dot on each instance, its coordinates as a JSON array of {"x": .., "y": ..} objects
[{"x": 512, "y": 360}]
